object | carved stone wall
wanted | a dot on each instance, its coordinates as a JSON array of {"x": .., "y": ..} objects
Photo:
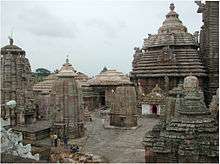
[
  {"x": 16, "y": 84},
  {"x": 209, "y": 45},
  {"x": 123, "y": 110}
]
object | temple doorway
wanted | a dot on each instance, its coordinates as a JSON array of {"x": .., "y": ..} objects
[
  {"x": 103, "y": 100},
  {"x": 150, "y": 109},
  {"x": 154, "y": 109}
]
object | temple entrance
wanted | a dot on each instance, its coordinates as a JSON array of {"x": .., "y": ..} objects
[
  {"x": 103, "y": 100},
  {"x": 154, "y": 109},
  {"x": 150, "y": 109}
]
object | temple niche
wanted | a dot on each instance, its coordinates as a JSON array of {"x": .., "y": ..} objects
[
  {"x": 191, "y": 135},
  {"x": 66, "y": 104},
  {"x": 117, "y": 94},
  {"x": 16, "y": 84},
  {"x": 153, "y": 103},
  {"x": 167, "y": 57}
]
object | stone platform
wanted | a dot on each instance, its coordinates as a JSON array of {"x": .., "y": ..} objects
[
  {"x": 35, "y": 131},
  {"x": 107, "y": 125}
]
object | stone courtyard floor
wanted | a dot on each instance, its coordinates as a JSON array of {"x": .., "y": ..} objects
[{"x": 115, "y": 145}]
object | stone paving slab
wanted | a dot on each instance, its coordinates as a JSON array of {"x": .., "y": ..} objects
[{"x": 117, "y": 145}]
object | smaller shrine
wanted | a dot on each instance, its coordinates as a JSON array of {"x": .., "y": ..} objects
[
  {"x": 66, "y": 104},
  {"x": 123, "y": 112},
  {"x": 116, "y": 93},
  {"x": 42, "y": 92},
  {"x": 153, "y": 102}
]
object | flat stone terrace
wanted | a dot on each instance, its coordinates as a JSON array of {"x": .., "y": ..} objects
[{"x": 115, "y": 145}]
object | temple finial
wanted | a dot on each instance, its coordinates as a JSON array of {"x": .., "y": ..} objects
[
  {"x": 10, "y": 40},
  {"x": 172, "y": 7},
  {"x": 67, "y": 59}
]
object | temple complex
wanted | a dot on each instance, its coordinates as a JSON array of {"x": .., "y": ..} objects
[
  {"x": 16, "y": 84},
  {"x": 209, "y": 44},
  {"x": 118, "y": 94},
  {"x": 66, "y": 104},
  {"x": 165, "y": 111},
  {"x": 190, "y": 136},
  {"x": 167, "y": 57}
]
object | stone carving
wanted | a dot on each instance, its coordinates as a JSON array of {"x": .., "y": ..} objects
[
  {"x": 196, "y": 36},
  {"x": 214, "y": 105},
  {"x": 10, "y": 40},
  {"x": 166, "y": 55}
]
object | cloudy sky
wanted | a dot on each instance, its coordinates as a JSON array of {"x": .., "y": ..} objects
[{"x": 94, "y": 33}]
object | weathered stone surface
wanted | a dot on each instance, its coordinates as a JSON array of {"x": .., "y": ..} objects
[
  {"x": 209, "y": 45},
  {"x": 167, "y": 57},
  {"x": 123, "y": 111},
  {"x": 117, "y": 93},
  {"x": 66, "y": 105},
  {"x": 191, "y": 135},
  {"x": 16, "y": 84}
]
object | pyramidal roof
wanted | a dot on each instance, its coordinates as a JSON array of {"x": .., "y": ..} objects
[
  {"x": 172, "y": 32},
  {"x": 11, "y": 46},
  {"x": 67, "y": 70},
  {"x": 110, "y": 77}
]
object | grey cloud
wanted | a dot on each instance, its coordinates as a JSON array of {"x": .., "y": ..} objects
[
  {"x": 110, "y": 30},
  {"x": 42, "y": 23}
]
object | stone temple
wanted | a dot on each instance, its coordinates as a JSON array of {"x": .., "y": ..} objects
[
  {"x": 118, "y": 94},
  {"x": 42, "y": 92},
  {"x": 168, "y": 56},
  {"x": 66, "y": 104},
  {"x": 16, "y": 84},
  {"x": 190, "y": 136}
]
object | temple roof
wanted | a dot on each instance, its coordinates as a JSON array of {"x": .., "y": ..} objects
[
  {"x": 110, "y": 77},
  {"x": 171, "y": 52},
  {"x": 67, "y": 70},
  {"x": 46, "y": 85},
  {"x": 82, "y": 77},
  {"x": 172, "y": 32},
  {"x": 11, "y": 46}
]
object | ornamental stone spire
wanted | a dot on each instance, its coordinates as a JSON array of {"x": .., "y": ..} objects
[{"x": 172, "y": 7}]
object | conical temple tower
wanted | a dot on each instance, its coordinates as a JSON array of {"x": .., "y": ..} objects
[
  {"x": 66, "y": 106},
  {"x": 16, "y": 84}
]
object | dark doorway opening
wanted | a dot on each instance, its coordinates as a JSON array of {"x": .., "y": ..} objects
[
  {"x": 154, "y": 109},
  {"x": 103, "y": 100}
]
